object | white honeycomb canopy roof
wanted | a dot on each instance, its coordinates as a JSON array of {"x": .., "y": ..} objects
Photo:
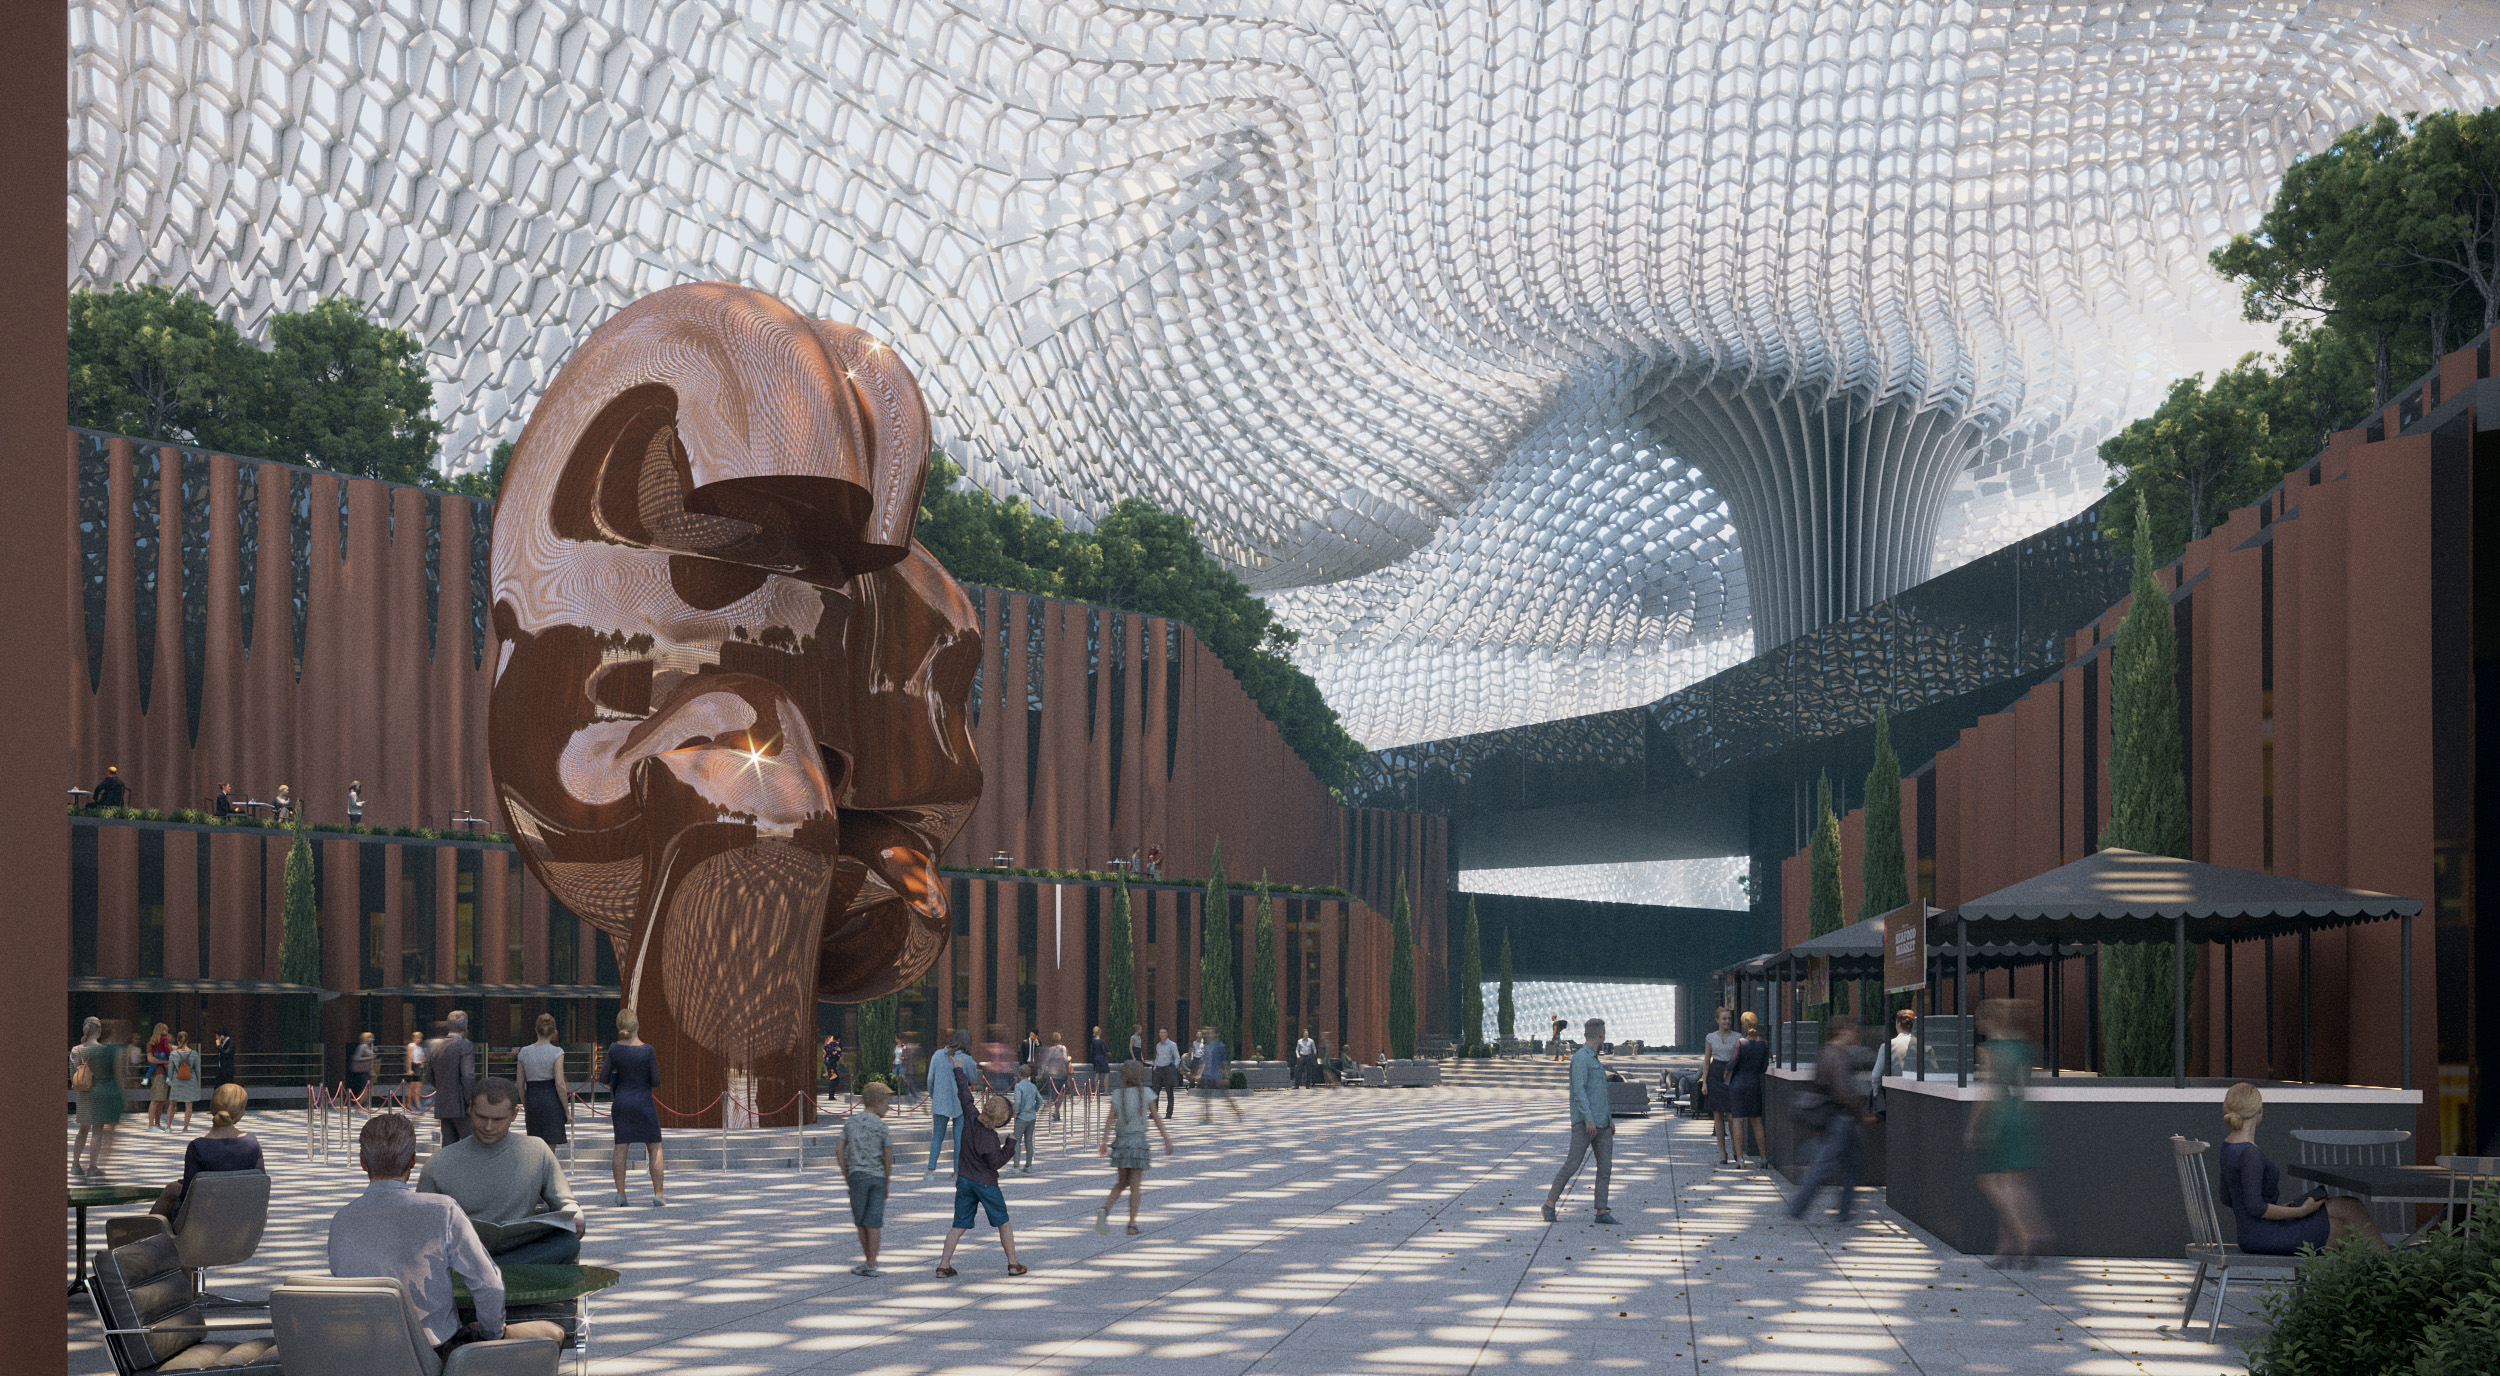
[{"x": 1387, "y": 297}]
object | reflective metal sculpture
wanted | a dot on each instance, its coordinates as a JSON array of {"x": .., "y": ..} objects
[
  {"x": 1544, "y": 356},
  {"x": 728, "y": 721}
]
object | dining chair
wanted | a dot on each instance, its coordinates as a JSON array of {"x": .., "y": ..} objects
[
  {"x": 2467, "y": 1174},
  {"x": 2205, "y": 1245}
]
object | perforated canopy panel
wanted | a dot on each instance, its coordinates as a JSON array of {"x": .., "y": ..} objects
[{"x": 1542, "y": 356}]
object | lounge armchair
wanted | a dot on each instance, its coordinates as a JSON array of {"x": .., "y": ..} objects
[
  {"x": 2205, "y": 1245},
  {"x": 152, "y": 1319},
  {"x": 219, "y": 1224},
  {"x": 367, "y": 1325}
]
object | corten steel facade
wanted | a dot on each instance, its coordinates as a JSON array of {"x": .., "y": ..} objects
[
  {"x": 413, "y": 928},
  {"x": 202, "y": 581},
  {"x": 2335, "y": 641}
]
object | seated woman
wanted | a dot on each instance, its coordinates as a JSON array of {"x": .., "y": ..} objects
[
  {"x": 2252, "y": 1184},
  {"x": 227, "y": 1147}
]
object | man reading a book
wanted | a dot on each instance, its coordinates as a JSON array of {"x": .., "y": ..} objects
[
  {"x": 508, "y": 1183},
  {"x": 390, "y": 1230}
]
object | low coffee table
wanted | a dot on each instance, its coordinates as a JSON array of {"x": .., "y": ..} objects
[
  {"x": 85, "y": 1197},
  {"x": 548, "y": 1283}
]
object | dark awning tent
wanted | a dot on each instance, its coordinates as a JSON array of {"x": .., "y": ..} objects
[{"x": 2119, "y": 896}]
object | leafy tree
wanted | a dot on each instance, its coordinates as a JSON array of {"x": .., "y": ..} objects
[
  {"x": 1505, "y": 1011},
  {"x": 876, "y": 1037},
  {"x": 161, "y": 365},
  {"x": 1470, "y": 983},
  {"x": 1403, "y": 1011},
  {"x": 1266, "y": 1016},
  {"x": 1144, "y": 560},
  {"x": 1216, "y": 986},
  {"x": 2200, "y": 454},
  {"x": 484, "y": 482},
  {"x": 299, "y": 944},
  {"x": 999, "y": 544},
  {"x": 1119, "y": 998},
  {"x": 1883, "y": 869},
  {"x": 349, "y": 395},
  {"x": 2148, "y": 812}
]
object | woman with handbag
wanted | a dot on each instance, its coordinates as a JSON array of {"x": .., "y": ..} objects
[
  {"x": 182, "y": 1072},
  {"x": 82, "y": 1087},
  {"x": 108, "y": 1068}
]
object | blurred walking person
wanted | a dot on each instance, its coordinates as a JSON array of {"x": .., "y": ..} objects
[
  {"x": 1744, "y": 1090},
  {"x": 1840, "y": 1107},
  {"x": 82, "y": 1079},
  {"x": 2001, "y": 1132}
]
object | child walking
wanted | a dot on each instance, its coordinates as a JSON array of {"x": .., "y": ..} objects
[
  {"x": 867, "y": 1164},
  {"x": 1124, "y": 1141},
  {"x": 978, "y": 1155},
  {"x": 1028, "y": 1108}
]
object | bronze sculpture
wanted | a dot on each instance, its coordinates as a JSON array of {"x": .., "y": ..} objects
[{"x": 728, "y": 719}]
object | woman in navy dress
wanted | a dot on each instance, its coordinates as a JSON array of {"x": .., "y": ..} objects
[
  {"x": 1744, "y": 1089},
  {"x": 632, "y": 1071},
  {"x": 2252, "y": 1184}
]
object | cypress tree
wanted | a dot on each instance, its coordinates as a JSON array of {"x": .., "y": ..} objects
[
  {"x": 1119, "y": 996},
  {"x": 876, "y": 1039},
  {"x": 1216, "y": 997},
  {"x": 1823, "y": 890},
  {"x": 2148, "y": 812},
  {"x": 1265, "y": 1016},
  {"x": 299, "y": 946},
  {"x": 1883, "y": 878},
  {"x": 1883, "y": 867},
  {"x": 1402, "y": 1009},
  {"x": 1470, "y": 984},
  {"x": 1505, "y": 1011}
]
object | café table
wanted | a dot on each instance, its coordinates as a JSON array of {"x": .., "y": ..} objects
[
  {"x": 85, "y": 1197},
  {"x": 2383, "y": 1184},
  {"x": 548, "y": 1283}
]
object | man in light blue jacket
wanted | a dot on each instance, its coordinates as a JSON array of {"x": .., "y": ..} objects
[
  {"x": 945, "y": 1106},
  {"x": 1592, "y": 1123}
]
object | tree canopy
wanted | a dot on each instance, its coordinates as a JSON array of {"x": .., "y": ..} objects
[
  {"x": 333, "y": 390},
  {"x": 1139, "y": 559},
  {"x": 2379, "y": 254}
]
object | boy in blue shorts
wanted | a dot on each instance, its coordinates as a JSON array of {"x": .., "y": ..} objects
[
  {"x": 867, "y": 1163},
  {"x": 979, "y": 1152}
]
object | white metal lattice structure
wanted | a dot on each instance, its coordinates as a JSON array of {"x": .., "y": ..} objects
[
  {"x": 1711, "y": 881},
  {"x": 1493, "y": 331}
]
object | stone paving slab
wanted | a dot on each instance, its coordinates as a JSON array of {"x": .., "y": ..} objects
[{"x": 1327, "y": 1233}]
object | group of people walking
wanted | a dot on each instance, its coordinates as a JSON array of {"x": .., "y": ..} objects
[
  {"x": 987, "y": 1129},
  {"x": 110, "y": 1066}
]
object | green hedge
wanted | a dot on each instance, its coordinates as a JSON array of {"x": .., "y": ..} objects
[
  {"x": 2429, "y": 1309},
  {"x": 194, "y": 817}
]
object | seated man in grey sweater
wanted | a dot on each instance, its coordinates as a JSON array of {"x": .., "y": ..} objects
[{"x": 509, "y": 1184}]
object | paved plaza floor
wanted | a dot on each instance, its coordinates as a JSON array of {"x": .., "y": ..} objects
[{"x": 1363, "y": 1232}]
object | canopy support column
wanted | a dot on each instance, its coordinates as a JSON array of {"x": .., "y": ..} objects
[
  {"x": 2304, "y": 1008},
  {"x": 1961, "y": 999},
  {"x": 2056, "y": 971},
  {"x": 2228, "y": 946},
  {"x": 2404, "y": 999},
  {"x": 2092, "y": 1010},
  {"x": 2178, "y": 1002}
]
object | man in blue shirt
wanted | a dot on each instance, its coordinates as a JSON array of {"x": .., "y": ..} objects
[
  {"x": 1592, "y": 1123},
  {"x": 1215, "y": 1076},
  {"x": 945, "y": 1106}
]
